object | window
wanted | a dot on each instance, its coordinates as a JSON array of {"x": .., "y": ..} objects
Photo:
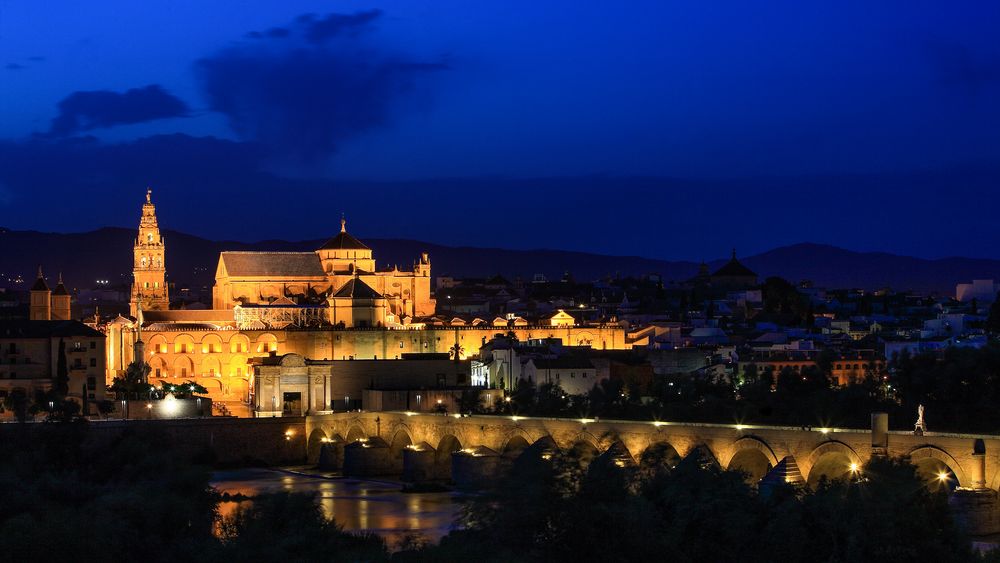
[
  {"x": 184, "y": 372},
  {"x": 400, "y": 344},
  {"x": 93, "y": 345},
  {"x": 91, "y": 382},
  {"x": 93, "y": 362},
  {"x": 12, "y": 348},
  {"x": 157, "y": 372}
]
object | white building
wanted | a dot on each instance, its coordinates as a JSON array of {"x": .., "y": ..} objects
[{"x": 983, "y": 291}]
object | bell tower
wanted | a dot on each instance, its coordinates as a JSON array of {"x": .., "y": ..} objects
[{"x": 149, "y": 287}]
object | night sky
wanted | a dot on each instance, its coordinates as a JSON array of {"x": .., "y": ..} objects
[{"x": 664, "y": 129}]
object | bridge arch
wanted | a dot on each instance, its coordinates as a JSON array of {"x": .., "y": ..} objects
[
  {"x": 356, "y": 432},
  {"x": 832, "y": 459},
  {"x": 313, "y": 445},
  {"x": 706, "y": 454},
  {"x": 447, "y": 445},
  {"x": 752, "y": 456},
  {"x": 514, "y": 436},
  {"x": 586, "y": 447},
  {"x": 514, "y": 445},
  {"x": 659, "y": 453},
  {"x": 932, "y": 461},
  {"x": 400, "y": 439}
]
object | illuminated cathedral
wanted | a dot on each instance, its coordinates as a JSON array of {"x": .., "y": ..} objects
[{"x": 333, "y": 303}]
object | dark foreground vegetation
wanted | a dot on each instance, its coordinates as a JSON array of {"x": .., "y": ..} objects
[{"x": 65, "y": 497}]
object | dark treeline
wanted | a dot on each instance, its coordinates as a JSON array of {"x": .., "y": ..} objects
[
  {"x": 960, "y": 388},
  {"x": 67, "y": 497}
]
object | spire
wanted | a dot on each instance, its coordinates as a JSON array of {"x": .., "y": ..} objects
[
  {"x": 60, "y": 278},
  {"x": 343, "y": 223},
  {"x": 149, "y": 195},
  {"x": 40, "y": 284},
  {"x": 734, "y": 254}
]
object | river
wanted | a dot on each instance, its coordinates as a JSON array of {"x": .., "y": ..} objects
[{"x": 357, "y": 505}]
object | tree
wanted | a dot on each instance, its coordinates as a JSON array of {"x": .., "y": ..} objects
[
  {"x": 105, "y": 407},
  {"x": 133, "y": 384},
  {"x": 993, "y": 318},
  {"x": 18, "y": 403},
  {"x": 62, "y": 372}
]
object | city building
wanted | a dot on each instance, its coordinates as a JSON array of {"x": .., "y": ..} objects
[
  {"x": 30, "y": 353},
  {"x": 291, "y": 385},
  {"x": 983, "y": 291}
]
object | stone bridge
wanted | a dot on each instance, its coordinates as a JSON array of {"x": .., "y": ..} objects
[
  {"x": 473, "y": 450},
  {"x": 969, "y": 461}
]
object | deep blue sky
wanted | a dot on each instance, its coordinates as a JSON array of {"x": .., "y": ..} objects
[{"x": 666, "y": 129}]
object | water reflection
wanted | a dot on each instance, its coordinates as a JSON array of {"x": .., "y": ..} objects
[{"x": 375, "y": 506}]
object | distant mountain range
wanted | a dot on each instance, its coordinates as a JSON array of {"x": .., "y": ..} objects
[{"x": 107, "y": 254}]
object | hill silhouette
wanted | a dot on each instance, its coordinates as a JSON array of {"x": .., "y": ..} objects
[{"x": 107, "y": 254}]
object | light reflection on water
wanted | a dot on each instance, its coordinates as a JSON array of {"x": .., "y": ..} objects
[{"x": 377, "y": 506}]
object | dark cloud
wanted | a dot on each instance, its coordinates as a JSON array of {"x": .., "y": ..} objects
[
  {"x": 334, "y": 25},
  {"x": 322, "y": 83},
  {"x": 14, "y": 66},
  {"x": 83, "y": 111}
]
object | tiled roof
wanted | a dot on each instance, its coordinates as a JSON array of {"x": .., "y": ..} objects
[
  {"x": 734, "y": 268},
  {"x": 357, "y": 289},
  {"x": 40, "y": 285},
  {"x": 344, "y": 241},
  {"x": 20, "y": 328},
  {"x": 272, "y": 264}
]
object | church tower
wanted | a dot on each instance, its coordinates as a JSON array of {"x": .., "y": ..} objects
[
  {"x": 62, "y": 303},
  {"x": 41, "y": 299},
  {"x": 149, "y": 287}
]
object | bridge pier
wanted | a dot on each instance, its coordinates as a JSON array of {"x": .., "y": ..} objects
[
  {"x": 880, "y": 434},
  {"x": 419, "y": 464},
  {"x": 368, "y": 457},
  {"x": 977, "y": 508},
  {"x": 331, "y": 455},
  {"x": 477, "y": 468}
]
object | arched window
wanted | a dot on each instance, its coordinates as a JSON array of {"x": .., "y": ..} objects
[
  {"x": 149, "y": 237},
  {"x": 143, "y": 261}
]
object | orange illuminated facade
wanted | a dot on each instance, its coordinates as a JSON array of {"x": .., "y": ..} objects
[{"x": 149, "y": 273}]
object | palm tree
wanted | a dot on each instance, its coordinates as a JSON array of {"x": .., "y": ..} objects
[{"x": 456, "y": 352}]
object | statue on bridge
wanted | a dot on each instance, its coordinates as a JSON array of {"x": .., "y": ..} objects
[{"x": 921, "y": 426}]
